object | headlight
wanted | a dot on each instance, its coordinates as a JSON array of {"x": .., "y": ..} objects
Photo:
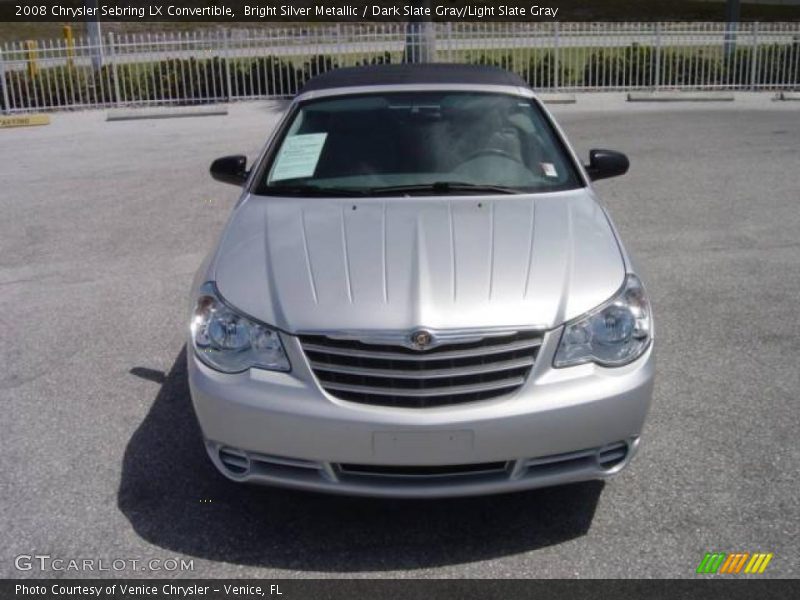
[
  {"x": 612, "y": 335},
  {"x": 230, "y": 342}
]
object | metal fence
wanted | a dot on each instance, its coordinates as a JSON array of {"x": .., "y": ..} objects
[{"x": 221, "y": 65}]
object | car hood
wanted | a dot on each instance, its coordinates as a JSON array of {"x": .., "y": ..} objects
[{"x": 312, "y": 264}]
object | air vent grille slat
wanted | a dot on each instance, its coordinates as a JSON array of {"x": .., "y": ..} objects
[
  {"x": 234, "y": 461},
  {"x": 424, "y": 472},
  {"x": 416, "y": 373},
  {"x": 612, "y": 455}
]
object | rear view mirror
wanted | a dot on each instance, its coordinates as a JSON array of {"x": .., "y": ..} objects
[
  {"x": 230, "y": 169},
  {"x": 606, "y": 163}
]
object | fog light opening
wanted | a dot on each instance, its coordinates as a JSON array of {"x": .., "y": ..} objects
[
  {"x": 612, "y": 455},
  {"x": 235, "y": 461}
]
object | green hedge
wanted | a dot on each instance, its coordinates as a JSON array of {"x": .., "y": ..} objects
[
  {"x": 636, "y": 66},
  {"x": 537, "y": 71},
  {"x": 191, "y": 80}
]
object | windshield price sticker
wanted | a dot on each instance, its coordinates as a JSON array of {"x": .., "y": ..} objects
[
  {"x": 549, "y": 170},
  {"x": 299, "y": 156}
]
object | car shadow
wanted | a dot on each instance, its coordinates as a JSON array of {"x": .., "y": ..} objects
[{"x": 175, "y": 499}]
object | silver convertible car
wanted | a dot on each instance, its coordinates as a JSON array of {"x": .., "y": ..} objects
[{"x": 419, "y": 294}]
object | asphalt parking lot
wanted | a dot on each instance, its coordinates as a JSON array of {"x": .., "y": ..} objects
[{"x": 104, "y": 223}]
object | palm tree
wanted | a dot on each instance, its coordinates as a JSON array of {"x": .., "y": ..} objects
[
  {"x": 95, "y": 37},
  {"x": 732, "y": 11},
  {"x": 420, "y": 37}
]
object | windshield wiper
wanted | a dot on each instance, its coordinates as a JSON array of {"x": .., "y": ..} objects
[
  {"x": 311, "y": 190},
  {"x": 443, "y": 187},
  {"x": 439, "y": 187}
]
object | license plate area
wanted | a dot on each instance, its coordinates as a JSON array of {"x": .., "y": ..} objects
[{"x": 422, "y": 447}]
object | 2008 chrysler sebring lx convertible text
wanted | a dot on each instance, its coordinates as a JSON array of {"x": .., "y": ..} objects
[{"x": 418, "y": 294}]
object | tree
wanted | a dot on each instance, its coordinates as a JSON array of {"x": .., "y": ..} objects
[
  {"x": 731, "y": 27},
  {"x": 95, "y": 38},
  {"x": 420, "y": 36}
]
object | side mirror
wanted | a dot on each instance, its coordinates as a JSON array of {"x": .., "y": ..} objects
[
  {"x": 606, "y": 163},
  {"x": 230, "y": 169}
]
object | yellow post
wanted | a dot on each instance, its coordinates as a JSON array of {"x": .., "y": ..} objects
[
  {"x": 33, "y": 67},
  {"x": 70, "y": 43}
]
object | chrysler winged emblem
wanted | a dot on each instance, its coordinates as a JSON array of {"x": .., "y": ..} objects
[{"x": 421, "y": 339}]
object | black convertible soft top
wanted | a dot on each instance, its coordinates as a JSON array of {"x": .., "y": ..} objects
[{"x": 412, "y": 74}]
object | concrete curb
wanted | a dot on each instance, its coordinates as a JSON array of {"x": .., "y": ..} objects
[
  {"x": 785, "y": 96},
  {"x": 557, "y": 98},
  {"x": 680, "y": 97},
  {"x": 165, "y": 112},
  {"x": 24, "y": 121}
]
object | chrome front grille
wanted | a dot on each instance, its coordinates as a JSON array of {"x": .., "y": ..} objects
[{"x": 451, "y": 373}]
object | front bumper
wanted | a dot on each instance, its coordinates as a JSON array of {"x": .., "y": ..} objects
[{"x": 563, "y": 425}]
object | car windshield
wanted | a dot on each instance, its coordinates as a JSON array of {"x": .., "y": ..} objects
[{"x": 418, "y": 142}]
